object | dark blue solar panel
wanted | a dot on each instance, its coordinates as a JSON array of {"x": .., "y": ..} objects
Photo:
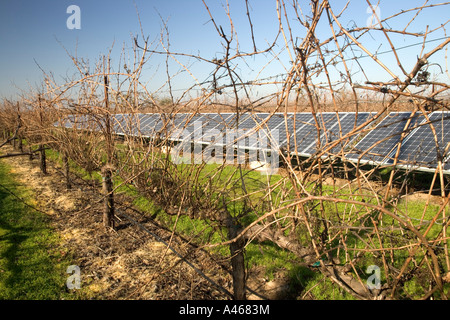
[
  {"x": 147, "y": 121},
  {"x": 276, "y": 122},
  {"x": 289, "y": 130},
  {"x": 327, "y": 123},
  {"x": 160, "y": 123},
  {"x": 191, "y": 121},
  {"x": 116, "y": 123},
  {"x": 168, "y": 123},
  {"x": 187, "y": 127},
  {"x": 418, "y": 149},
  {"x": 223, "y": 122},
  {"x": 382, "y": 140},
  {"x": 237, "y": 130},
  {"x": 209, "y": 128},
  {"x": 126, "y": 124},
  {"x": 216, "y": 128},
  {"x": 253, "y": 132},
  {"x": 250, "y": 121},
  {"x": 421, "y": 147},
  {"x": 269, "y": 127},
  {"x": 181, "y": 120},
  {"x": 308, "y": 135},
  {"x": 337, "y": 128}
]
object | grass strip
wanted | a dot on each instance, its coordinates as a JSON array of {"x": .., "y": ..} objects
[{"x": 32, "y": 260}]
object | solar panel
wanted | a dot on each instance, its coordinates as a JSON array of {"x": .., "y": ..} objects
[
  {"x": 421, "y": 147},
  {"x": 234, "y": 130},
  {"x": 250, "y": 121},
  {"x": 208, "y": 123},
  {"x": 116, "y": 120},
  {"x": 126, "y": 124},
  {"x": 380, "y": 141},
  {"x": 222, "y": 122},
  {"x": 198, "y": 128},
  {"x": 185, "y": 126},
  {"x": 307, "y": 135},
  {"x": 168, "y": 123},
  {"x": 268, "y": 133},
  {"x": 251, "y": 133},
  {"x": 327, "y": 122},
  {"x": 239, "y": 125},
  {"x": 147, "y": 124},
  {"x": 337, "y": 128},
  {"x": 159, "y": 124},
  {"x": 290, "y": 130},
  {"x": 190, "y": 120},
  {"x": 181, "y": 120}
]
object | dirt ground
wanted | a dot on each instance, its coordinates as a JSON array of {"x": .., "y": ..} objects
[{"x": 129, "y": 262}]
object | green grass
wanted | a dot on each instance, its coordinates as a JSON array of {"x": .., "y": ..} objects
[{"x": 32, "y": 260}]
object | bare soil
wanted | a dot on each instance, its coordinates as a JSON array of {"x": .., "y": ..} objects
[{"x": 128, "y": 262}]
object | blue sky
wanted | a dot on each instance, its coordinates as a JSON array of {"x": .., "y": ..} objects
[{"x": 34, "y": 32}]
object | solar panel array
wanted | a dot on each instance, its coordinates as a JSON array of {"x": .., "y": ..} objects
[
  {"x": 406, "y": 139},
  {"x": 379, "y": 142},
  {"x": 423, "y": 148}
]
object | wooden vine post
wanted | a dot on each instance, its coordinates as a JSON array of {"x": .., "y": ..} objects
[
  {"x": 43, "y": 158},
  {"x": 107, "y": 170},
  {"x": 67, "y": 171},
  {"x": 237, "y": 257},
  {"x": 108, "y": 209}
]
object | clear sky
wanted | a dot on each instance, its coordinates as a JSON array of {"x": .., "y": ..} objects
[{"x": 34, "y": 32}]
